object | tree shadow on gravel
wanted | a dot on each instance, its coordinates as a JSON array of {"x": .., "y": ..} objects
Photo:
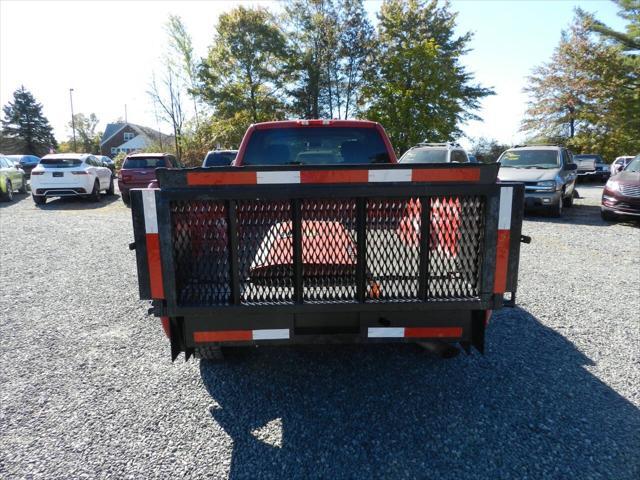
[
  {"x": 528, "y": 408},
  {"x": 78, "y": 203}
]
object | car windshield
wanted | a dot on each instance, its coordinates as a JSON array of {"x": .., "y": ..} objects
[
  {"x": 529, "y": 159},
  {"x": 219, "y": 159},
  {"x": 597, "y": 158},
  {"x": 425, "y": 155},
  {"x": 315, "y": 146},
  {"x": 634, "y": 165},
  {"x": 144, "y": 162},
  {"x": 60, "y": 162}
]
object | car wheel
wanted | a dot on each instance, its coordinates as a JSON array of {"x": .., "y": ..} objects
[
  {"x": 608, "y": 216},
  {"x": 567, "y": 202},
  {"x": 126, "y": 199},
  {"x": 7, "y": 196},
  {"x": 111, "y": 190},
  {"x": 39, "y": 199},
  {"x": 23, "y": 188},
  {"x": 95, "y": 194},
  {"x": 556, "y": 210}
]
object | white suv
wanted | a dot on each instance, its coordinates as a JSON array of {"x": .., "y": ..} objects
[
  {"x": 70, "y": 175},
  {"x": 435, "y": 153}
]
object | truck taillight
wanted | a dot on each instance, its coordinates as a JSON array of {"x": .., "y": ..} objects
[
  {"x": 126, "y": 178},
  {"x": 79, "y": 172}
]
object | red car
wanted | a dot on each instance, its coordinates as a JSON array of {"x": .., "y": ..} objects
[
  {"x": 621, "y": 194},
  {"x": 139, "y": 170}
]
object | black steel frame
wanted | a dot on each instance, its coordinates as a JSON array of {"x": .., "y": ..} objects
[{"x": 301, "y": 317}]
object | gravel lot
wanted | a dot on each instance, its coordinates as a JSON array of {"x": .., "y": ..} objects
[{"x": 88, "y": 388}]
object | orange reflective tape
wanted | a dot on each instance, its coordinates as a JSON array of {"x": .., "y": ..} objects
[
  {"x": 222, "y": 178},
  {"x": 502, "y": 261},
  {"x": 445, "y": 175},
  {"x": 223, "y": 336},
  {"x": 155, "y": 265},
  {"x": 433, "y": 332}
]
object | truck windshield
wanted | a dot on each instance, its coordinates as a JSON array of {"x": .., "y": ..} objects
[
  {"x": 315, "y": 146},
  {"x": 529, "y": 159},
  {"x": 60, "y": 162},
  {"x": 425, "y": 155},
  {"x": 142, "y": 162}
]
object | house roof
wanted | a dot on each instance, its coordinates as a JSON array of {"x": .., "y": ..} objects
[
  {"x": 113, "y": 129},
  {"x": 139, "y": 141}
]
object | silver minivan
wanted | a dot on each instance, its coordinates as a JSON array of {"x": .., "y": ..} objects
[{"x": 548, "y": 173}]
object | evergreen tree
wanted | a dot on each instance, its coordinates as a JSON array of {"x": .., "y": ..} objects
[
  {"x": 25, "y": 124},
  {"x": 418, "y": 89}
]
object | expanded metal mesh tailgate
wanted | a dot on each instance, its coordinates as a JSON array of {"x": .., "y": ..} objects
[{"x": 308, "y": 250}]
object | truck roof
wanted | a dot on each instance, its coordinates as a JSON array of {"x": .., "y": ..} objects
[{"x": 315, "y": 123}]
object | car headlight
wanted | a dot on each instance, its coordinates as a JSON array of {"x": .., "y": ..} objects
[
  {"x": 549, "y": 185},
  {"x": 612, "y": 185}
]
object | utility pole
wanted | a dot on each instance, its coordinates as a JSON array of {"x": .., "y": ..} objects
[{"x": 73, "y": 120}]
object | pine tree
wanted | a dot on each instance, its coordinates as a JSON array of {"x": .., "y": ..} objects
[{"x": 25, "y": 124}]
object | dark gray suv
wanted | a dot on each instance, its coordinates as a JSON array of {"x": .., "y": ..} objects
[{"x": 548, "y": 173}]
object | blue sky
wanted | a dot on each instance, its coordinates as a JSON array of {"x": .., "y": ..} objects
[{"x": 107, "y": 50}]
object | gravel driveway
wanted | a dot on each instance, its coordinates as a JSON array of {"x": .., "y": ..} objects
[{"x": 88, "y": 388}]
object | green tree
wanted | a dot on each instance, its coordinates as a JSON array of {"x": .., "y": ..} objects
[
  {"x": 25, "y": 125},
  {"x": 588, "y": 95},
  {"x": 629, "y": 40},
  {"x": 487, "y": 150},
  {"x": 181, "y": 54},
  {"x": 242, "y": 72},
  {"x": 85, "y": 126},
  {"x": 419, "y": 90}
]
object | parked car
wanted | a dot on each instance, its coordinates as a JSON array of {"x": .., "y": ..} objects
[
  {"x": 621, "y": 194},
  {"x": 592, "y": 166},
  {"x": 27, "y": 162},
  {"x": 548, "y": 174},
  {"x": 219, "y": 158},
  {"x": 138, "y": 171},
  {"x": 435, "y": 153},
  {"x": 12, "y": 177},
  {"x": 107, "y": 162},
  {"x": 70, "y": 175},
  {"x": 620, "y": 163}
]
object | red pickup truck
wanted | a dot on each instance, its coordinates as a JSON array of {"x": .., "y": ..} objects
[{"x": 316, "y": 234}]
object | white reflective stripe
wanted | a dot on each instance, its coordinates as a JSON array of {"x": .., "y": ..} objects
[
  {"x": 279, "y": 177},
  {"x": 390, "y": 175},
  {"x": 271, "y": 334},
  {"x": 506, "y": 200},
  {"x": 149, "y": 204},
  {"x": 382, "y": 332}
]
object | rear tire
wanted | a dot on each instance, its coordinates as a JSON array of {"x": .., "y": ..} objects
[
  {"x": 39, "y": 199},
  {"x": 95, "y": 193},
  {"x": 126, "y": 199},
  {"x": 23, "y": 188},
  {"x": 210, "y": 352},
  {"x": 608, "y": 216},
  {"x": 111, "y": 190},
  {"x": 567, "y": 202},
  {"x": 7, "y": 196}
]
